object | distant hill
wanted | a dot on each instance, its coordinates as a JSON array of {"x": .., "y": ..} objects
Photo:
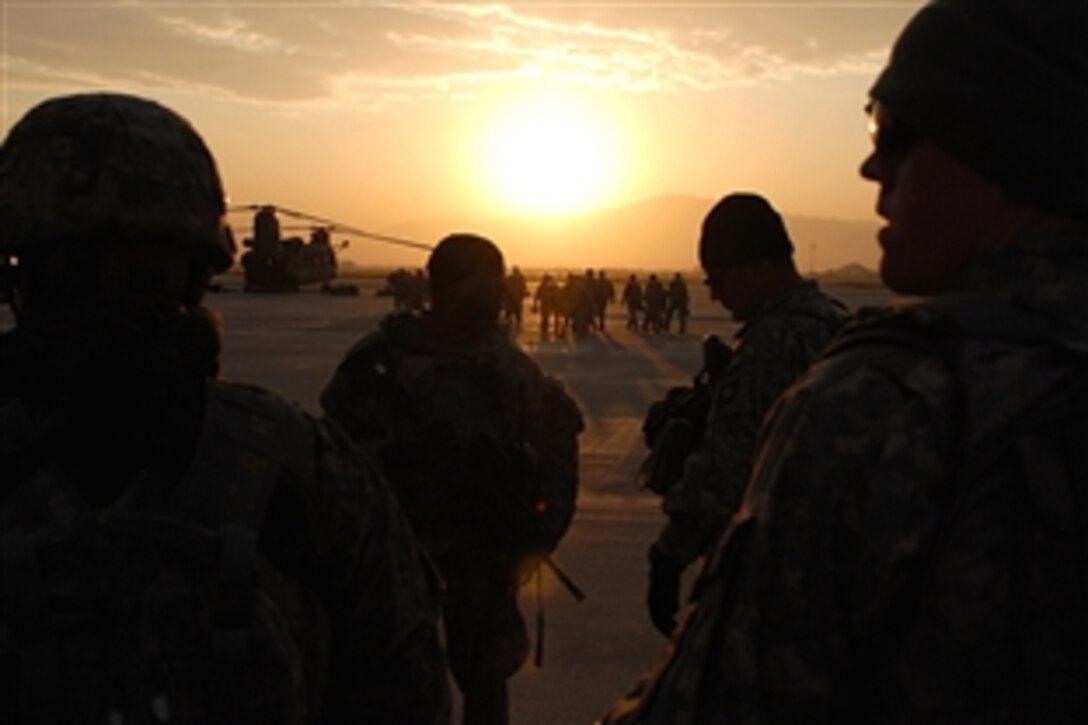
[
  {"x": 852, "y": 275},
  {"x": 660, "y": 233}
]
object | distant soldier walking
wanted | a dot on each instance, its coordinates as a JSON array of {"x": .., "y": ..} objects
[
  {"x": 632, "y": 299},
  {"x": 654, "y": 303},
  {"x": 546, "y": 301},
  {"x": 604, "y": 293},
  {"x": 482, "y": 449},
  {"x": 514, "y": 299},
  {"x": 581, "y": 296},
  {"x": 677, "y": 305}
]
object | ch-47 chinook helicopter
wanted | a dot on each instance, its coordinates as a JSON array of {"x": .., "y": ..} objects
[{"x": 273, "y": 263}]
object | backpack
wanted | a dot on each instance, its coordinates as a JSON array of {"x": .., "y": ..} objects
[
  {"x": 431, "y": 410},
  {"x": 470, "y": 420},
  {"x": 126, "y": 615},
  {"x": 675, "y": 424}
]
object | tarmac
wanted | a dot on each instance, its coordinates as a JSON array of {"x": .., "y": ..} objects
[{"x": 594, "y": 650}]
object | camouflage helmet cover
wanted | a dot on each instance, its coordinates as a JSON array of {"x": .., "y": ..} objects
[{"x": 104, "y": 162}]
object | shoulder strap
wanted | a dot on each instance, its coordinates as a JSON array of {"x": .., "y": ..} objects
[{"x": 238, "y": 457}]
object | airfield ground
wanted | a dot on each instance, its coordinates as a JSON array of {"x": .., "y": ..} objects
[{"x": 596, "y": 649}]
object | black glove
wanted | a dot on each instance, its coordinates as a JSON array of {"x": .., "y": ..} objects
[{"x": 663, "y": 597}]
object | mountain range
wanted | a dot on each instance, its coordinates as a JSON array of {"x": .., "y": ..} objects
[{"x": 660, "y": 233}]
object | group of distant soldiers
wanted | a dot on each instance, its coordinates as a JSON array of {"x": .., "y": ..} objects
[
  {"x": 653, "y": 308},
  {"x": 578, "y": 305},
  {"x": 408, "y": 289},
  {"x": 574, "y": 307}
]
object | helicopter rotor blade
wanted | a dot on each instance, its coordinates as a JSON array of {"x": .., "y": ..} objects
[{"x": 335, "y": 225}]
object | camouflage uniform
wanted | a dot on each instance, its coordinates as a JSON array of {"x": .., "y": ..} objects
[
  {"x": 334, "y": 532},
  {"x": 780, "y": 341},
  {"x": 911, "y": 545},
  {"x": 481, "y": 447},
  {"x": 113, "y": 208}
]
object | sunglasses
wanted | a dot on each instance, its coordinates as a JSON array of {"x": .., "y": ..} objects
[{"x": 890, "y": 136}]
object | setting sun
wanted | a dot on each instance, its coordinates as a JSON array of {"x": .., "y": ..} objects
[{"x": 551, "y": 155}]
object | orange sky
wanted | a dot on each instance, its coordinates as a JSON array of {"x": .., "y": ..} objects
[{"x": 393, "y": 116}]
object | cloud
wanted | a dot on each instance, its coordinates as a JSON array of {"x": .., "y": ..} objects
[
  {"x": 269, "y": 59},
  {"x": 625, "y": 58},
  {"x": 232, "y": 33},
  {"x": 368, "y": 56}
]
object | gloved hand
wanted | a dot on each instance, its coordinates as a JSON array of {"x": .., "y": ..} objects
[{"x": 663, "y": 597}]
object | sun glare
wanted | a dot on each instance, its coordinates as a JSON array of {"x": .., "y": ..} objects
[{"x": 550, "y": 156}]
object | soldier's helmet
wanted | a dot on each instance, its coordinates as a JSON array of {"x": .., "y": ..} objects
[
  {"x": 106, "y": 165},
  {"x": 461, "y": 258}
]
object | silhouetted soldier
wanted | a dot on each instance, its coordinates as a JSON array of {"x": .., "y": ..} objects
[
  {"x": 567, "y": 300},
  {"x": 416, "y": 291},
  {"x": 632, "y": 298},
  {"x": 678, "y": 304},
  {"x": 191, "y": 550},
  {"x": 514, "y": 300},
  {"x": 398, "y": 283},
  {"x": 654, "y": 302},
  {"x": 580, "y": 290},
  {"x": 547, "y": 302},
  {"x": 604, "y": 293},
  {"x": 748, "y": 259},
  {"x": 482, "y": 449}
]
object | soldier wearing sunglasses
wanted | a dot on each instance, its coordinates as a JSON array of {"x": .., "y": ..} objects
[{"x": 912, "y": 542}]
